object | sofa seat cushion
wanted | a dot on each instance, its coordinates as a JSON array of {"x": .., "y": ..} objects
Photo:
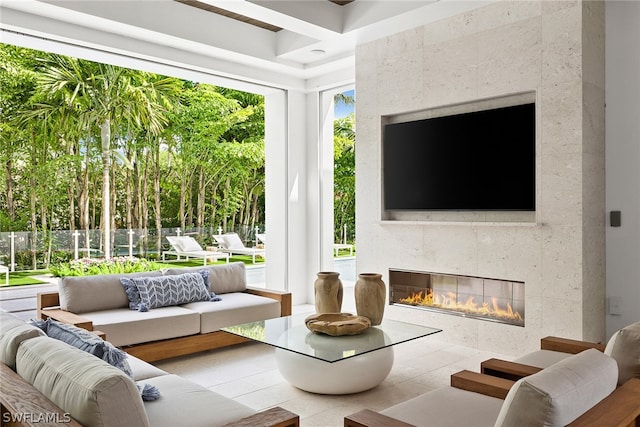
[
  {"x": 447, "y": 407},
  {"x": 542, "y": 358},
  {"x": 12, "y": 332},
  {"x": 125, "y": 327},
  {"x": 559, "y": 394},
  {"x": 93, "y": 392},
  {"x": 143, "y": 370},
  {"x": 233, "y": 309},
  {"x": 83, "y": 294},
  {"x": 223, "y": 278},
  {"x": 185, "y": 403}
]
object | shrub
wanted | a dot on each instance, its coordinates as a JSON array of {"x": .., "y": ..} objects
[{"x": 93, "y": 266}]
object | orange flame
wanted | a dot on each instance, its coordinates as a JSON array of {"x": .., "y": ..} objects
[{"x": 450, "y": 301}]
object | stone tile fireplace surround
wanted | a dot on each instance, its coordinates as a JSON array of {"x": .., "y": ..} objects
[{"x": 554, "y": 51}]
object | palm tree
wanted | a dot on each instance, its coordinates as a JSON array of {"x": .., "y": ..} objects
[{"x": 107, "y": 97}]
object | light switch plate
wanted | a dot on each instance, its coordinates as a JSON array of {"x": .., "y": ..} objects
[{"x": 614, "y": 306}]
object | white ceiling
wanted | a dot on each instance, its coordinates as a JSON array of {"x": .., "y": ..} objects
[{"x": 317, "y": 39}]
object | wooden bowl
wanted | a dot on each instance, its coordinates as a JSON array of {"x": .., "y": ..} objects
[{"x": 337, "y": 324}]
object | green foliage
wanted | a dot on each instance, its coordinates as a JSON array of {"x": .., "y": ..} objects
[
  {"x": 93, "y": 266},
  {"x": 255, "y": 330},
  {"x": 200, "y": 140},
  {"x": 197, "y": 148},
  {"x": 344, "y": 177}
]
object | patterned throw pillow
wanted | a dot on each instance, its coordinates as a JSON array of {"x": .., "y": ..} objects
[
  {"x": 131, "y": 290},
  {"x": 165, "y": 291},
  {"x": 86, "y": 341},
  {"x": 93, "y": 344},
  {"x": 193, "y": 289}
]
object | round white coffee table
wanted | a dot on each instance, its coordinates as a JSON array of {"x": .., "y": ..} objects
[
  {"x": 325, "y": 364},
  {"x": 351, "y": 375}
]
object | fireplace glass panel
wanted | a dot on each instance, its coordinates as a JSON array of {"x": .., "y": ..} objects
[{"x": 483, "y": 298}]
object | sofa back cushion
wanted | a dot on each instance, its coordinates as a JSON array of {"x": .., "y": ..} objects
[
  {"x": 560, "y": 393},
  {"x": 624, "y": 347},
  {"x": 223, "y": 278},
  {"x": 82, "y": 294},
  {"x": 93, "y": 392},
  {"x": 12, "y": 332}
]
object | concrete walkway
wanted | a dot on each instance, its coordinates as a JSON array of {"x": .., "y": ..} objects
[{"x": 21, "y": 300}]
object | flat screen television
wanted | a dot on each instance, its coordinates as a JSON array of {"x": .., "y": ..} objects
[{"x": 478, "y": 161}]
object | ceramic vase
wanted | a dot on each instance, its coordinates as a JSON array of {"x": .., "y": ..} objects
[
  {"x": 370, "y": 295},
  {"x": 328, "y": 292}
]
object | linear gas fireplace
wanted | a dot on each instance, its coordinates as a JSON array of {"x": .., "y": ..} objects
[{"x": 478, "y": 297}]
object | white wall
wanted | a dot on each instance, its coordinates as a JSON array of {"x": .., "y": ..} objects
[
  {"x": 623, "y": 159},
  {"x": 554, "y": 50}
]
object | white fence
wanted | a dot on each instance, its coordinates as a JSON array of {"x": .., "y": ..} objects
[{"x": 25, "y": 250}]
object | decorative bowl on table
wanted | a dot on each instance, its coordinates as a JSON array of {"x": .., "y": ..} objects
[{"x": 337, "y": 324}]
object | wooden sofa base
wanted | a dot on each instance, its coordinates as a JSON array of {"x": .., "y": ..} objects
[
  {"x": 166, "y": 349},
  {"x": 505, "y": 369},
  {"x": 49, "y": 307},
  {"x": 24, "y": 405}
]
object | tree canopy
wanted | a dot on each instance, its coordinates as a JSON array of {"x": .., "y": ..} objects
[{"x": 85, "y": 146}]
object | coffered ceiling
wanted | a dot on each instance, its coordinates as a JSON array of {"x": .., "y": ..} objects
[{"x": 302, "y": 39}]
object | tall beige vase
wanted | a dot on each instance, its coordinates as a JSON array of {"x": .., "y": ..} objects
[
  {"x": 328, "y": 292},
  {"x": 370, "y": 295}
]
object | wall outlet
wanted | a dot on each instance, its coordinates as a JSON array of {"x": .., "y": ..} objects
[{"x": 615, "y": 306}]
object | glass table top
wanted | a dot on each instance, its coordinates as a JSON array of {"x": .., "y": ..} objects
[{"x": 290, "y": 333}]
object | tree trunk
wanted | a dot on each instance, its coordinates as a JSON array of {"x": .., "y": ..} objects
[
  {"x": 9, "y": 183},
  {"x": 32, "y": 203},
  {"x": 137, "y": 200},
  {"x": 156, "y": 197},
  {"x": 113, "y": 210},
  {"x": 183, "y": 201},
  {"x": 105, "y": 138},
  {"x": 200, "y": 201},
  {"x": 83, "y": 196},
  {"x": 128, "y": 203},
  {"x": 214, "y": 206},
  {"x": 189, "y": 213},
  {"x": 145, "y": 194},
  {"x": 34, "y": 222}
]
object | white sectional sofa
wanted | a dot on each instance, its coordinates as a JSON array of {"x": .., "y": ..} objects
[
  {"x": 101, "y": 303},
  {"x": 45, "y": 381}
]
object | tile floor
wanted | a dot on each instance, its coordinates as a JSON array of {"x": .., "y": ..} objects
[{"x": 248, "y": 372}]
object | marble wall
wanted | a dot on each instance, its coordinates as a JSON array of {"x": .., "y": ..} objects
[{"x": 553, "y": 51}]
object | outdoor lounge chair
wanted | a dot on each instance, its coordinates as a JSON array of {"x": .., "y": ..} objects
[
  {"x": 231, "y": 243},
  {"x": 189, "y": 247}
]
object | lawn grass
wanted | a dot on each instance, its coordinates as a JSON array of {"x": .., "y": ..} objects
[{"x": 22, "y": 278}]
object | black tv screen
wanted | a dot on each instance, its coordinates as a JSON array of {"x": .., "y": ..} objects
[{"x": 477, "y": 161}]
